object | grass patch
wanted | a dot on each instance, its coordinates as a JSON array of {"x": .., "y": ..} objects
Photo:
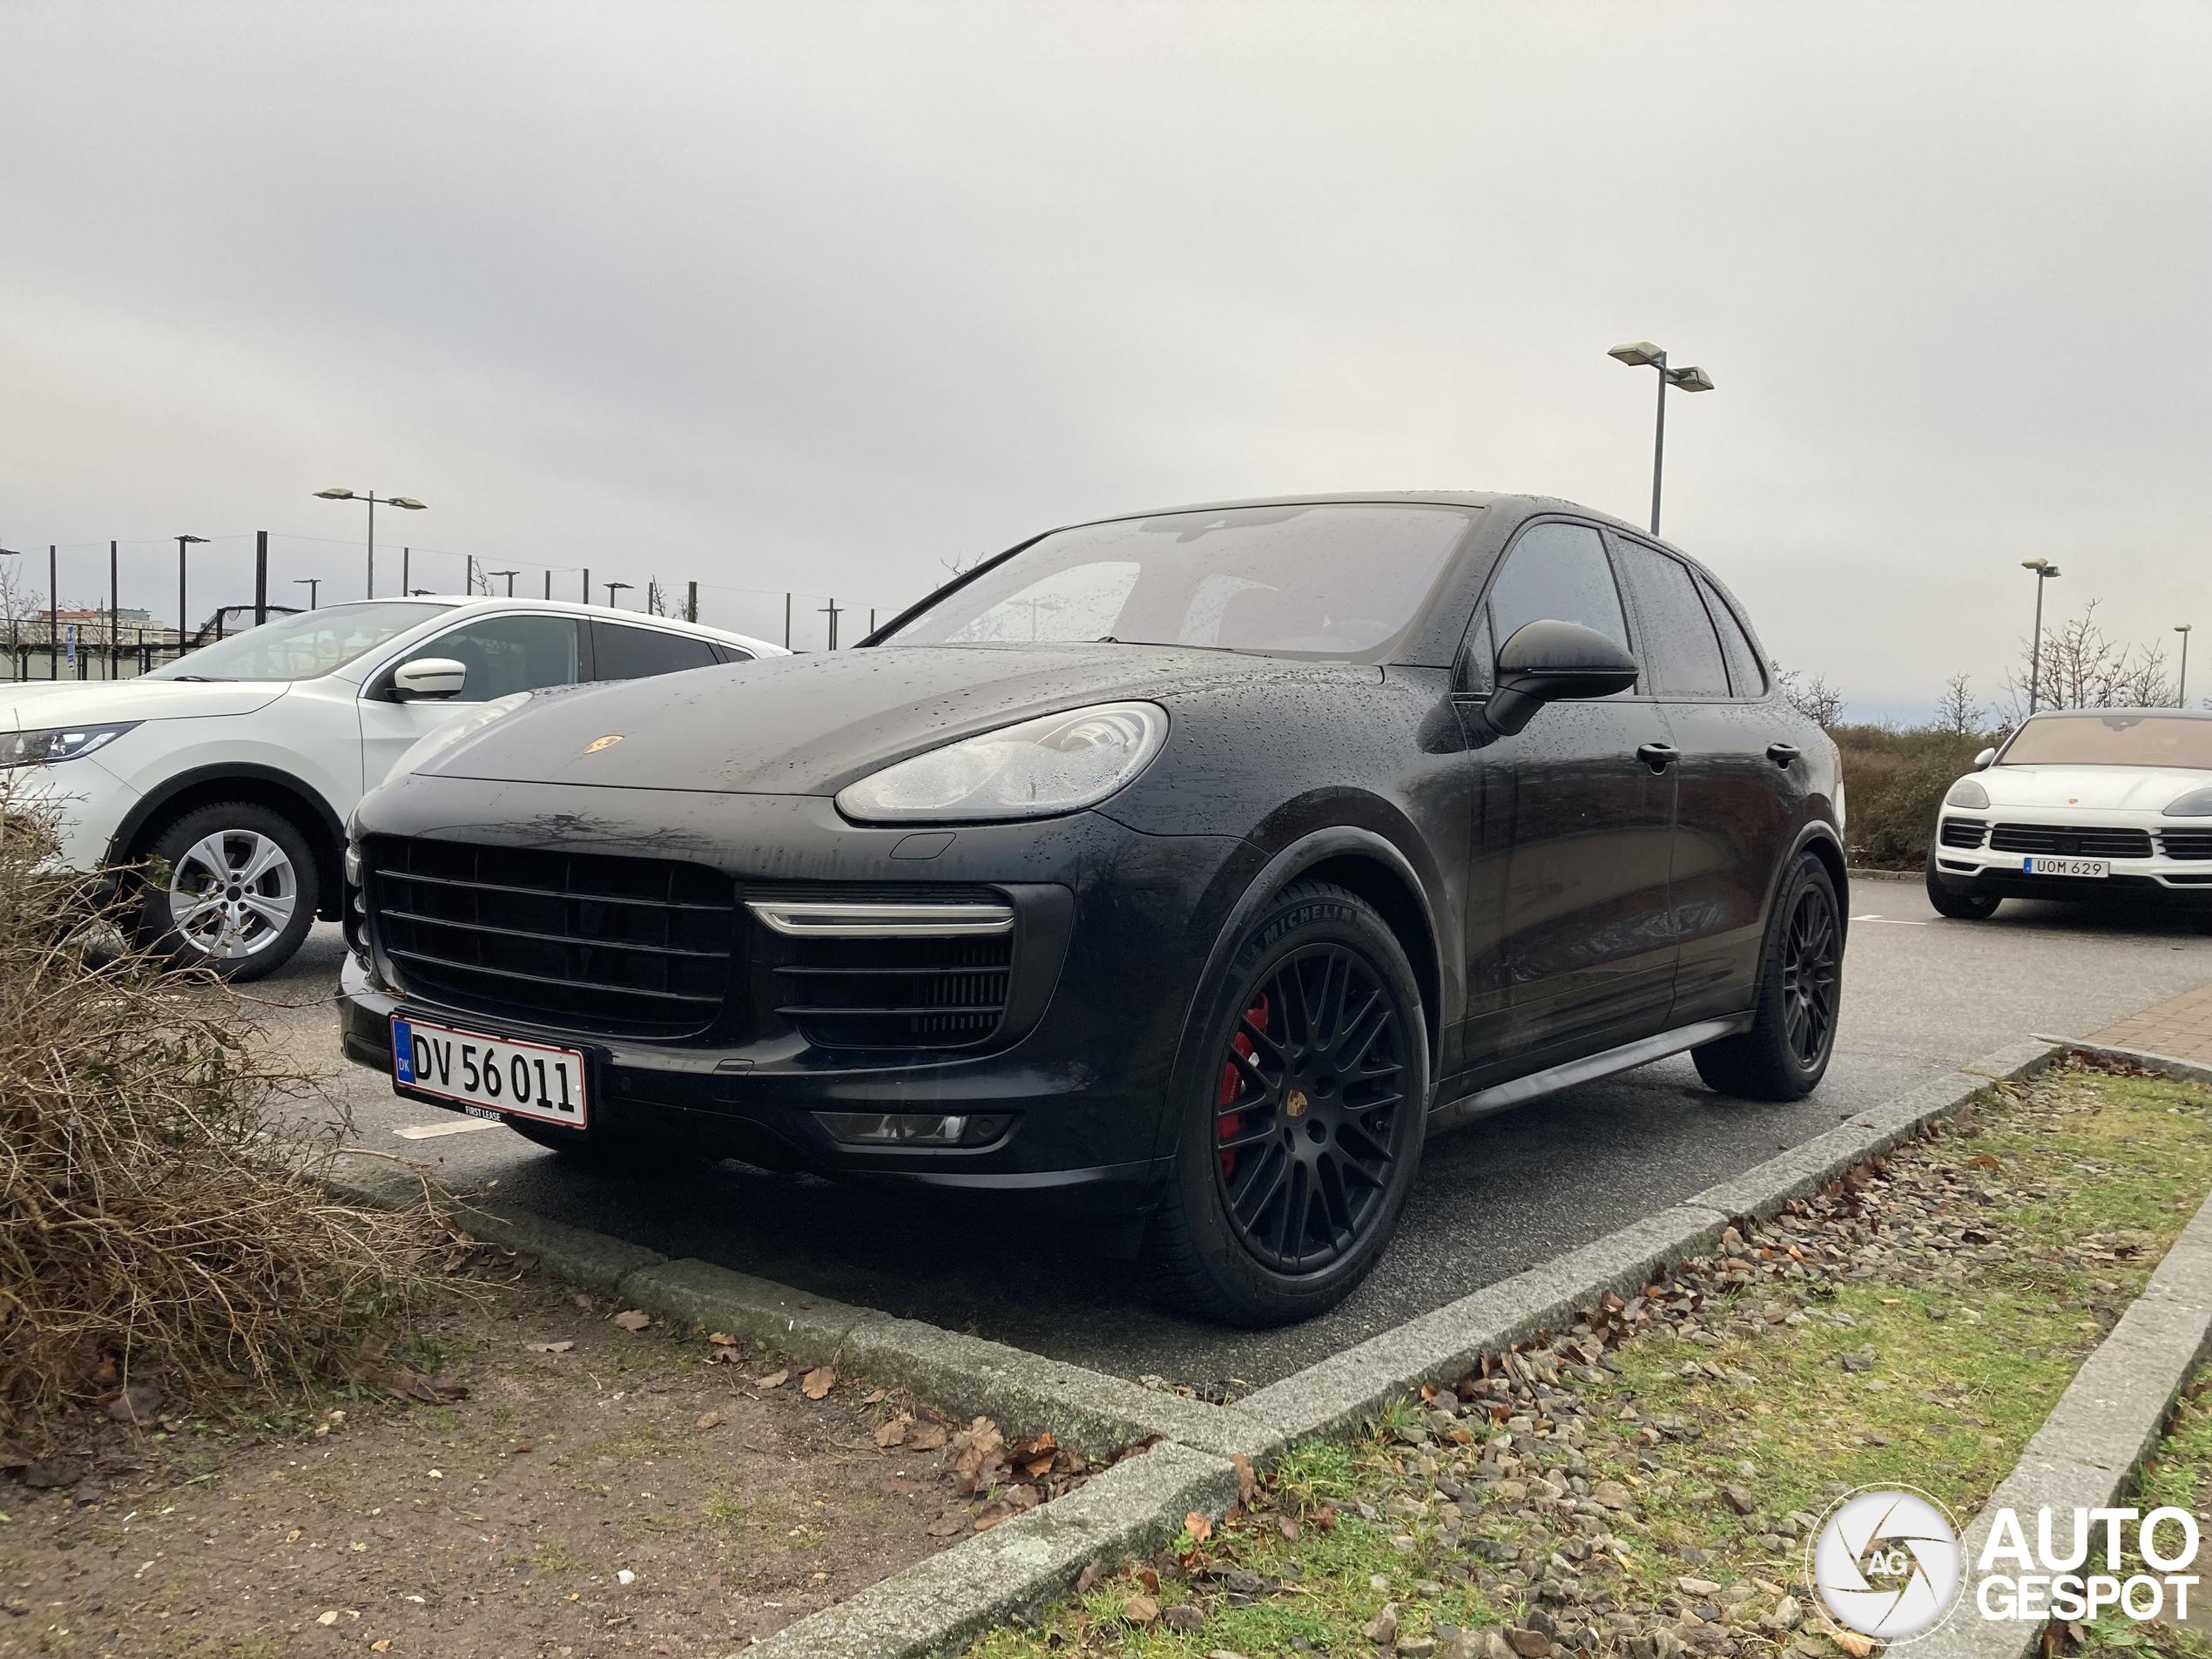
[{"x": 1915, "y": 1324}]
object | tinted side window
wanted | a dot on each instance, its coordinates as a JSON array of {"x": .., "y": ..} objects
[
  {"x": 1557, "y": 571},
  {"x": 1682, "y": 654},
  {"x": 621, "y": 653},
  {"x": 509, "y": 654},
  {"x": 1743, "y": 670},
  {"x": 730, "y": 654}
]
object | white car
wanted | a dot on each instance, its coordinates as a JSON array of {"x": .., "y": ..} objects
[
  {"x": 2091, "y": 804},
  {"x": 231, "y": 772}
]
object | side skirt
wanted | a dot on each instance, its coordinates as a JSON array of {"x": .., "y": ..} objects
[{"x": 1502, "y": 1096}]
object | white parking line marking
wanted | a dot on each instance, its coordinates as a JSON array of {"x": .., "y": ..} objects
[
  {"x": 1894, "y": 922},
  {"x": 431, "y": 1131}
]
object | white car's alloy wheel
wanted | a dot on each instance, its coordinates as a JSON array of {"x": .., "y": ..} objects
[{"x": 232, "y": 894}]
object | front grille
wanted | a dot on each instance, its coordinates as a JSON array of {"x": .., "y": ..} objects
[
  {"x": 902, "y": 994},
  {"x": 622, "y": 946},
  {"x": 1963, "y": 831},
  {"x": 2089, "y": 842},
  {"x": 2187, "y": 844}
]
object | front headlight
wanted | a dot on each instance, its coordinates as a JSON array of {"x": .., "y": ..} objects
[
  {"x": 58, "y": 743},
  {"x": 2197, "y": 804},
  {"x": 1966, "y": 792},
  {"x": 1060, "y": 762},
  {"x": 445, "y": 737}
]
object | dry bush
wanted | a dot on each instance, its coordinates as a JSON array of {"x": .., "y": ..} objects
[{"x": 163, "y": 1205}]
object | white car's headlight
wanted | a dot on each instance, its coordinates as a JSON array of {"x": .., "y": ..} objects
[
  {"x": 2197, "y": 804},
  {"x": 1060, "y": 762},
  {"x": 58, "y": 743},
  {"x": 467, "y": 725},
  {"x": 1966, "y": 792}
]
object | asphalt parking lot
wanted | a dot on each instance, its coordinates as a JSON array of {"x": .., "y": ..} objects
[{"x": 1922, "y": 995}]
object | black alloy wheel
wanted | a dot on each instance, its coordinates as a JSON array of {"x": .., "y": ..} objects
[
  {"x": 1302, "y": 1115},
  {"x": 1785, "y": 1053},
  {"x": 1309, "y": 1083},
  {"x": 1812, "y": 976}
]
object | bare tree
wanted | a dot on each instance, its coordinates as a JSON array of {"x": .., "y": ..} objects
[
  {"x": 1812, "y": 695},
  {"x": 656, "y": 601},
  {"x": 1956, "y": 710},
  {"x": 18, "y": 603},
  {"x": 2082, "y": 667}
]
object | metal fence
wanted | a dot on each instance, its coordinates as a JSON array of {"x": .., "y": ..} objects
[{"x": 125, "y": 657}]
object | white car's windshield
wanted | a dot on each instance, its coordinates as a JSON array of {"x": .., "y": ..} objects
[
  {"x": 301, "y": 648},
  {"x": 1324, "y": 581},
  {"x": 2111, "y": 740}
]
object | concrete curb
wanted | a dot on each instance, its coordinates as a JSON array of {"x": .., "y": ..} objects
[
  {"x": 941, "y": 1603},
  {"x": 1136, "y": 1506},
  {"x": 1886, "y": 875},
  {"x": 2110, "y": 1417}
]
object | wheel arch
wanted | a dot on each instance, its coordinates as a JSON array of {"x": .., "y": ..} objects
[
  {"x": 280, "y": 792},
  {"x": 1818, "y": 838},
  {"x": 1363, "y": 862}
]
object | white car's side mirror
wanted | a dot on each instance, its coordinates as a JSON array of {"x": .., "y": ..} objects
[
  {"x": 1982, "y": 760},
  {"x": 430, "y": 677}
]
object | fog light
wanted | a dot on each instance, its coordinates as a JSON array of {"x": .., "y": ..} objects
[
  {"x": 353, "y": 866},
  {"x": 895, "y": 1129}
]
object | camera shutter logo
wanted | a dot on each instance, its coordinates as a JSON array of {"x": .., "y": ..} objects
[{"x": 1887, "y": 1563}]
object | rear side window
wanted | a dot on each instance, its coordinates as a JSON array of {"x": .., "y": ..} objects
[
  {"x": 1682, "y": 654},
  {"x": 622, "y": 653},
  {"x": 1743, "y": 670},
  {"x": 732, "y": 654},
  {"x": 509, "y": 654}
]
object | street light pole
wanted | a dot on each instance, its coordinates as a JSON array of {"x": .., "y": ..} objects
[
  {"x": 337, "y": 493},
  {"x": 2181, "y": 691},
  {"x": 510, "y": 576},
  {"x": 2044, "y": 571},
  {"x": 183, "y": 611},
  {"x": 612, "y": 588},
  {"x": 1642, "y": 353},
  {"x": 313, "y": 584}
]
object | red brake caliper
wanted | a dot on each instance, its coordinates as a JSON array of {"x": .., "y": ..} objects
[{"x": 1232, "y": 1084}]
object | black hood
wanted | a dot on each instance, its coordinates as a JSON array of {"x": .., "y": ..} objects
[{"x": 809, "y": 726}]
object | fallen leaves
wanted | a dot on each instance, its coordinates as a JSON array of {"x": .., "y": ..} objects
[
  {"x": 633, "y": 1319},
  {"x": 892, "y": 1431},
  {"x": 723, "y": 1348},
  {"x": 549, "y": 1348},
  {"x": 1140, "y": 1610},
  {"x": 371, "y": 1367},
  {"x": 773, "y": 1379},
  {"x": 948, "y": 1522},
  {"x": 927, "y": 1437},
  {"x": 1198, "y": 1526},
  {"x": 709, "y": 1419},
  {"x": 816, "y": 1384}
]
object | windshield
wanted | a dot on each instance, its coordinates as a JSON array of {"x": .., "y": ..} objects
[
  {"x": 2111, "y": 740},
  {"x": 1331, "y": 581},
  {"x": 300, "y": 648}
]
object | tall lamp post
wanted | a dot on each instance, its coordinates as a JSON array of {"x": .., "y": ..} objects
[
  {"x": 1642, "y": 353},
  {"x": 611, "y": 587},
  {"x": 510, "y": 576},
  {"x": 183, "y": 612},
  {"x": 2044, "y": 571},
  {"x": 313, "y": 584},
  {"x": 406, "y": 502},
  {"x": 2181, "y": 691}
]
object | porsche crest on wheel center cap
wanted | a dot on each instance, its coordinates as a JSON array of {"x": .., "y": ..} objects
[{"x": 1296, "y": 1104}]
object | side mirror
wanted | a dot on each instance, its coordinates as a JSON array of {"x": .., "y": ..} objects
[
  {"x": 1982, "y": 760},
  {"x": 429, "y": 677},
  {"x": 1547, "y": 660}
]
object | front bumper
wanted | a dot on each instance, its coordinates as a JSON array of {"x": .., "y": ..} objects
[
  {"x": 89, "y": 802},
  {"x": 2159, "y": 880},
  {"x": 1082, "y": 1088}
]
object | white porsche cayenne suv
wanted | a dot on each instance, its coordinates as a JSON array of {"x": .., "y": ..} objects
[
  {"x": 2091, "y": 806},
  {"x": 227, "y": 776}
]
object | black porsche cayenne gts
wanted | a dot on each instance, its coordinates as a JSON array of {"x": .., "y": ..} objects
[{"x": 1176, "y": 873}]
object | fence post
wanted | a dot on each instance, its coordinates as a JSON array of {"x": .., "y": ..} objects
[
  {"x": 406, "y": 581},
  {"x": 786, "y": 622},
  {"x": 587, "y": 584},
  {"x": 691, "y": 604}
]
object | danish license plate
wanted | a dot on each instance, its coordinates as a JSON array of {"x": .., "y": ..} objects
[
  {"x": 489, "y": 1076},
  {"x": 2067, "y": 867}
]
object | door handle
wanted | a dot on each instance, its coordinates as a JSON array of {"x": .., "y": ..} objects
[
  {"x": 1658, "y": 756},
  {"x": 1782, "y": 754}
]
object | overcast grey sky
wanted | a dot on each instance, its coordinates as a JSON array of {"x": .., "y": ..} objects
[{"x": 817, "y": 296}]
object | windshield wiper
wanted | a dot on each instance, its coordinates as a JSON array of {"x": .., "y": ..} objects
[{"x": 202, "y": 679}]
